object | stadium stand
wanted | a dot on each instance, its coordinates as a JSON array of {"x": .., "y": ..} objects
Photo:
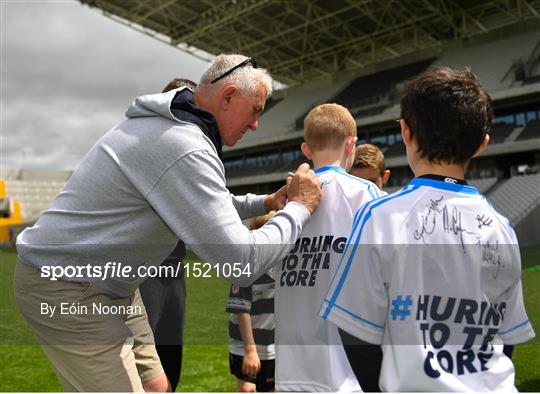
[
  {"x": 527, "y": 68},
  {"x": 491, "y": 61},
  {"x": 250, "y": 166},
  {"x": 32, "y": 190},
  {"x": 377, "y": 91},
  {"x": 271, "y": 102},
  {"x": 502, "y": 48},
  {"x": 483, "y": 185},
  {"x": 397, "y": 149},
  {"x": 374, "y": 101},
  {"x": 34, "y": 196},
  {"x": 531, "y": 130},
  {"x": 516, "y": 197},
  {"x": 500, "y": 132}
]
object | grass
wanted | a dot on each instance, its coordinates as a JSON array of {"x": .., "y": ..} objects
[
  {"x": 205, "y": 364},
  {"x": 25, "y": 368}
]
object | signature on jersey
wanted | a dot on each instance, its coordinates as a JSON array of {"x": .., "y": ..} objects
[
  {"x": 451, "y": 222},
  {"x": 326, "y": 182},
  {"x": 429, "y": 220},
  {"x": 483, "y": 221},
  {"x": 490, "y": 255}
]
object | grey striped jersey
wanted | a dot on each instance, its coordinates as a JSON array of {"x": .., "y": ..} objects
[{"x": 258, "y": 301}]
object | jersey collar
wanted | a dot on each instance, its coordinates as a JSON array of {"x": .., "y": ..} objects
[
  {"x": 328, "y": 168},
  {"x": 440, "y": 184}
]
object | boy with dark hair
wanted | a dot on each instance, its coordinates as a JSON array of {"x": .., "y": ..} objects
[
  {"x": 309, "y": 352},
  {"x": 433, "y": 271},
  {"x": 369, "y": 164}
]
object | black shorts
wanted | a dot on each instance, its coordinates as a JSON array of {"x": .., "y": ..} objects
[{"x": 264, "y": 381}]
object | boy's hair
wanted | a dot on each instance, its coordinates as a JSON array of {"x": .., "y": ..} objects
[
  {"x": 448, "y": 113},
  {"x": 259, "y": 221},
  {"x": 369, "y": 156},
  {"x": 327, "y": 126},
  {"x": 179, "y": 82}
]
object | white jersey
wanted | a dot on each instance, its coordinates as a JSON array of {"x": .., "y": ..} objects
[
  {"x": 433, "y": 274},
  {"x": 309, "y": 353}
]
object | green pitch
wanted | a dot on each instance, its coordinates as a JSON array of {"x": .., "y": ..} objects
[{"x": 24, "y": 367}]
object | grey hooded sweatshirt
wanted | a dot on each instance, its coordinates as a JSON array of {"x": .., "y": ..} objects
[{"x": 146, "y": 184}]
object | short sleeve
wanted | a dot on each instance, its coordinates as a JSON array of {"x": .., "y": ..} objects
[
  {"x": 357, "y": 300},
  {"x": 240, "y": 299},
  {"x": 515, "y": 327}
]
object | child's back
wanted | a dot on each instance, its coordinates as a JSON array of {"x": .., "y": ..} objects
[
  {"x": 451, "y": 268},
  {"x": 309, "y": 349},
  {"x": 309, "y": 353},
  {"x": 433, "y": 272}
]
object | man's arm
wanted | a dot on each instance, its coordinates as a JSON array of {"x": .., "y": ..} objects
[
  {"x": 191, "y": 197},
  {"x": 250, "y": 205}
]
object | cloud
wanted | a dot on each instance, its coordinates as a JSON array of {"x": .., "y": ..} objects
[{"x": 68, "y": 74}]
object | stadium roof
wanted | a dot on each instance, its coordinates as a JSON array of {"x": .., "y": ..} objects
[{"x": 303, "y": 40}]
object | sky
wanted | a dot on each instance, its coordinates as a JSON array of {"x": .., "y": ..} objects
[{"x": 68, "y": 73}]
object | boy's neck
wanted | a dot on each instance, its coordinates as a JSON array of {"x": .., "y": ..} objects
[
  {"x": 329, "y": 157},
  {"x": 456, "y": 171}
]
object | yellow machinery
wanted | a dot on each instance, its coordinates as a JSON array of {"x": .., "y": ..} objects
[{"x": 11, "y": 217}]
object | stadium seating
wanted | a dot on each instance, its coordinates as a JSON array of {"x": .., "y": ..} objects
[
  {"x": 34, "y": 196},
  {"x": 282, "y": 166},
  {"x": 500, "y": 132},
  {"x": 492, "y": 60},
  {"x": 395, "y": 150},
  {"x": 531, "y": 130},
  {"x": 516, "y": 197},
  {"x": 379, "y": 87},
  {"x": 483, "y": 185}
]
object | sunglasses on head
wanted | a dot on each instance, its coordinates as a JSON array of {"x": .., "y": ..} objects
[{"x": 245, "y": 62}]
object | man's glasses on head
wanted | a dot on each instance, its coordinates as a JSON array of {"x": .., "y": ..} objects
[{"x": 245, "y": 62}]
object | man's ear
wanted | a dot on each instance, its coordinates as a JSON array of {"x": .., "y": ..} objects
[
  {"x": 226, "y": 95},
  {"x": 385, "y": 177},
  {"x": 405, "y": 132},
  {"x": 306, "y": 151},
  {"x": 482, "y": 146}
]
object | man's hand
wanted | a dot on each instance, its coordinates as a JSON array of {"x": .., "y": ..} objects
[
  {"x": 304, "y": 188},
  {"x": 251, "y": 364},
  {"x": 277, "y": 200}
]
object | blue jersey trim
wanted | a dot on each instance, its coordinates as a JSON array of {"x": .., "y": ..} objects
[
  {"x": 361, "y": 222},
  {"x": 453, "y": 187},
  {"x": 379, "y": 327},
  {"x": 373, "y": 191},
  {"x": 356, "y": 220},
  {"x": 357, "y": 216},
  {"x": 326, "y": 168},
  {"x": 514, "y": 328}
]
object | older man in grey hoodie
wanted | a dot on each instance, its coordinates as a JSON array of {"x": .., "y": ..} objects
[{"x": 153, "y": 180}]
